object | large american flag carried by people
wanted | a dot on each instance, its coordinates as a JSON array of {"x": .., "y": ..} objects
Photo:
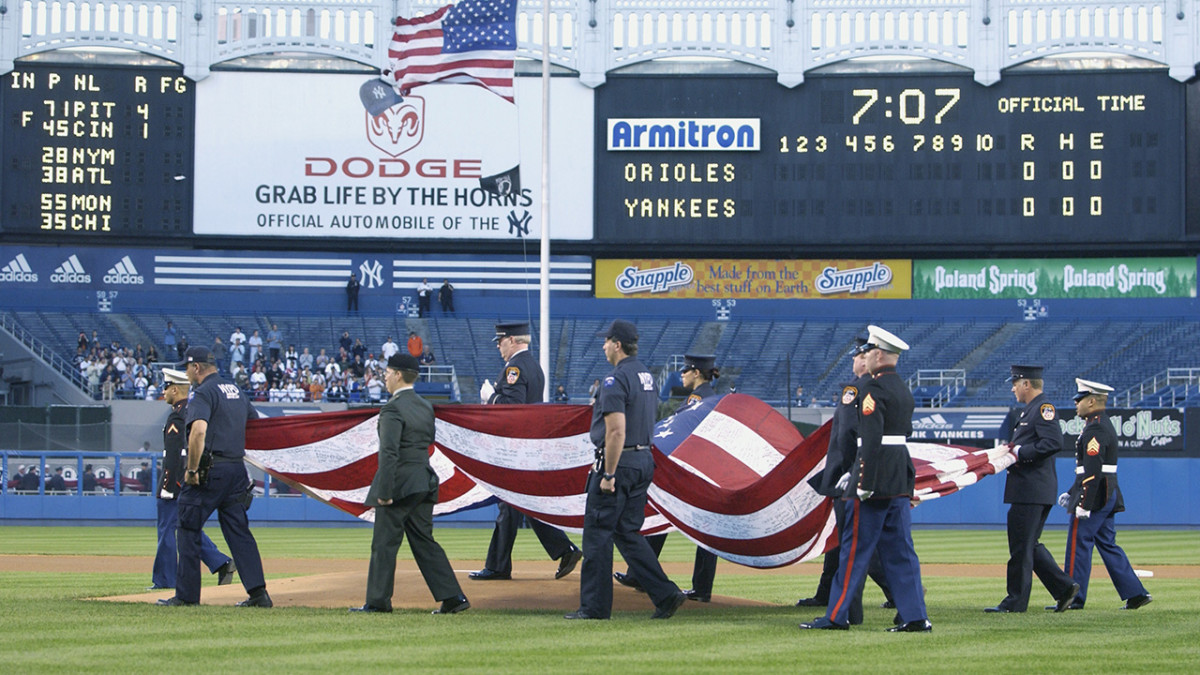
[
  {"x": 473, "y": 42},
  {"x": 732, "y": 474}
]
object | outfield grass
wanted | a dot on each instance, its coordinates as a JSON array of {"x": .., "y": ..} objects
[{"x": 45, "y": 625}]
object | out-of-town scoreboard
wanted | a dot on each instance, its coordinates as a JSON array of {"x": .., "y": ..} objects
[
  {"x": 904, "y": 159},
  {"x": 92, "y": 153}
]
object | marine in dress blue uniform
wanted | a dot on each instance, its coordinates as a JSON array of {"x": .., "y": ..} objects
[
  {"x": 832, "y": 482},
  {"x": 878, "y": 496},
  {"x": 216, "y": 418},
  {"x": 1030, "y": 489},
  {"x": 622, "y": 426},
  {"x": 1094, "y": 499},
  {"x": 522, "y": 381},
  {"x": 166, "y": 558}
]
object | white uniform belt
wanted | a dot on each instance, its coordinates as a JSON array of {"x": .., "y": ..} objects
[
  {"x": 1106, "y": 468},
  {"x": 889, "y": 440}
]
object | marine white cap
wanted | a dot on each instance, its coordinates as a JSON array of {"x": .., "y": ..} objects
[
  {"x": 1087, "y": 388},
  {"x": 885, "y": 340},
  {"x": 172, "y": 376}
]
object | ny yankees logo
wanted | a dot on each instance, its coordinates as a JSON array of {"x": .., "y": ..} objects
[
  {"x": 519, "y": 225},
  {"x": 371, "y": 273}
]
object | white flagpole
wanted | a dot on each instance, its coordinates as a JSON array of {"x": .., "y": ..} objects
[{"x": 544, "y": 271}]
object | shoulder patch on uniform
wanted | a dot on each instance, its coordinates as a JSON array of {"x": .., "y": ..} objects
[
  {"x": 1047, "y": 411},
  {"x": 692, "y": 398},
  {"x": 849, "y": 394},
  {"x": 512, "y": 374},
  {"x": 610, "y": 381},
  {"x": 1093, "y": 447},
  {"x": 868, "y": 405}
]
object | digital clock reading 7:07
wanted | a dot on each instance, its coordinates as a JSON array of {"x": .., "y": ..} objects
[{"x": 905, "y": 159}]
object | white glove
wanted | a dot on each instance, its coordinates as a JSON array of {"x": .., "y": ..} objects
[
  {"x": 864, "y": 494},
  {"x": 1064, "y": 500},
  {"x": 844, "y": 481},
  {"x": 1016, "y": 450},
  {"x": 486, "y": 391},
  {"x": 1082, "y": 513}
]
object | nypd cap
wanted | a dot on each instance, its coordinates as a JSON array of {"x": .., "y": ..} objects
[
  {"x": 620, "y": 330},
  {"x": 198, "y": 355}
]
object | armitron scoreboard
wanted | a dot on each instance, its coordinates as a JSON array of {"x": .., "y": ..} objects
[
  {"x": 933, "y": 159},
  {"x": 96, "y": 153}
]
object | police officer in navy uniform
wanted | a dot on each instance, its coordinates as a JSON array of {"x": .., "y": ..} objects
[
  {"x": 1094, "y": 499},
  {"x": 622, "y": 427},
  {"x": 1030, "y": 489},
  {"x": 878, "y": 496},
  {"x": 833, "y": 481},
  {"x": 166, "y": 558},
  {"x": 697, "y": 373},
  {"x": 215, "y": 480},
  {"x": 521, "y": 382}
]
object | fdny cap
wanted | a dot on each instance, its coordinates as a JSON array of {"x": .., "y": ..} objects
[
  {"x": 698, "y": 362},
  {"x": 1089, "y": 388},
  {"x": 504, "y": 330},
  {"x": 886, "y": 341},
  {"x": 172, "y": 376},
  {"x": 861, "y": 346},
  {"x": 1025, "y": 373},
  {"x": 620, "y": 330},
  {"x": 198, "y": 355},
  {"x": 404, "y": 362}
]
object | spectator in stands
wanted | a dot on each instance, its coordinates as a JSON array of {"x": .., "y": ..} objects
[
  {"x": 140, "y": 383},
  {"x": 336, "y": 391},
  {"x": 237, "y": 353},
  {"x": 321, "y": 361},
  {"x": 19, "y": 479},
  {"x": 274, "y": 342},
  {"x": 56, "y": 483},
  {"x": 293, "y": 392},
  {"x": 352, "y": 287},
  {"x": 242, "y": 378},
  {"x": 140, "y": 368},
  {"x": 373, "y": 364},
  {"x": 446, "y": 297},
  {"x": 152, "y": 355},
  {"x": 143, "y": 475},
  {"x": 305, "y": 360},
  {"x": 560, "y": 394},
  {"x": 332, "y": 370},
  {"x": 291, "y": 358},
  {"x": 89, "y": 479},
  {"x": 139, "y": 352},
  {"x": 108, "y": 383},
  {"x": 592, "y": 391},
  {"x": 255, "y": 343},
  {"x": 424, "y": 295},
  {"x": 30, "y": 480},
  {"x": 358, "y": 368},
  {"x": 801, "y": 399},
  {"x": 169, "y": 340},
  {"x": 126, "y": 388},
  {"x": 258, "y": 379},
  {"x": 316, "y": 386},
  {"x": 94, "y": 372},
  {"x": 359, "y": 350},
  {"x": 181, "y": 348},
  {"x": 374, "y": 387},
  {"x": 220, "y": 351},
  {"x": 415, "y": 344},
  {"x": 83, "y": 341},
  {"x": 237, "y": 336},
  {"x": 345, "y": 342},
  {"x": 427, "y": 358},
  {"x": 388, "y": 349}
]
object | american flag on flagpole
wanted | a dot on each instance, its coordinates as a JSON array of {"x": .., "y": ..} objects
[
  {"x": 731, "y": 473},
  {"x": 473, "y": 42}
]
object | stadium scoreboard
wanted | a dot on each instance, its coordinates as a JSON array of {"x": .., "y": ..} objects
[
  {"x": 93, "y": 153},
  {"x": 902, "y": 159}
]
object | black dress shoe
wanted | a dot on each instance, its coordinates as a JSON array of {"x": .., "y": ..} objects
[
  {"x": 823, "y": 623},
  {"x": 259, "y": 599},
  {"x": 225, "y": 573},
  {"x": 918, "y": 626},
  {"x": 691, "y": 594},
  {"x": 667, "y": 609},
  {"x": 998, "y": 609},
  {"x": 158, "y": 588},
  {"x": 628, "y": 580},
  {"x": 1076, "y": 604},
  {"x": 1065, "y": 601},
  {"x": 888, "y": 604},
  {"x": 453, "y": 605},
  {"x": 174, "y": 601},
  {"x": 1138, "y": 601},
  {"x": 811, "y": 602},
  {"x": 488, "y": 575},
  {"x": 567, "y": 563},
  {"x": 370, "y": 609},
  {"x": 581, "y": 614}
]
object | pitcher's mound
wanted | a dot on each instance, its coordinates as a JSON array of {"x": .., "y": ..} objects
[{"x": 532, "y": 587}]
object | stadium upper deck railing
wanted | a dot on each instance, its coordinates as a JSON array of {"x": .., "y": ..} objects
[{"x": 595, "y": 37}]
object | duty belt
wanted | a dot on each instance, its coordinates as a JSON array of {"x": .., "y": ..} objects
[
  {"x": 1105, "y": 468},
  {"x": 635, "y": 448},
  {"x": 889, "y": 440}
]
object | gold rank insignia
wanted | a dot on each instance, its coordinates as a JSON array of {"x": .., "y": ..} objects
[
  {"x": 1093, "y": 447},
  {"x": 848, "y": 395},
  {"x": 173, "y": 429},
  {"x": 1047, "y": 411},
  {"x": 512, "y": 374},
  {"x": 868, "y": 405}
]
